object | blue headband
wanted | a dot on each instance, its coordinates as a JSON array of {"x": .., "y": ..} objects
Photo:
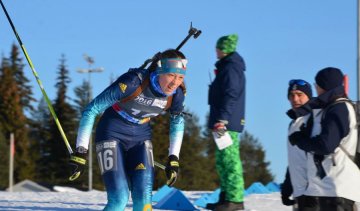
[{"x": 172, "y": 65}]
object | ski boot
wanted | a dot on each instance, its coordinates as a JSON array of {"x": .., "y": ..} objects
[
  {"x": 211, "y": 206},
  {"x": 230, "y": 206}
]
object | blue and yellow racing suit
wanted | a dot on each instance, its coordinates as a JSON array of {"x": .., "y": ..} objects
[{"x": 123, "y": 136}]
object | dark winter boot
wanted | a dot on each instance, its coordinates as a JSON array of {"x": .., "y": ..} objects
[
  {"x": 230, "y": 206},
  {"x": 211, "y": 206}
]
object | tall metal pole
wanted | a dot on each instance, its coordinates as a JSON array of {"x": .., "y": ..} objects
[
  {"x": 11, "y": 162},
  {"x": 90, "y": 61},
  {"x": 90, "y": 141}
]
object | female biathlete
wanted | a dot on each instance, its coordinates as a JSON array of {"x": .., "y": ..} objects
[{"x": 123, "y": 134}]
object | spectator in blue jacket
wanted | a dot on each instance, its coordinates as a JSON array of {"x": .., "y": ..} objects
[{"x": 227, "y": 115}]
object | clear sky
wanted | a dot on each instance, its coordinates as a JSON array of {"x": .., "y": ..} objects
[{"x": 279, "y": 40}]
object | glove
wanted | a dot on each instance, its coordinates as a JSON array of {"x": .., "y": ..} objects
[
  {"x": 303, "y": 134},
  {"x": 78, "y": 163},
  {"x": 219, "y": 128},
  {"x": 171, "y": 170},
  {"x": 295, "y": 137},
  {"x": 287, "y": 190},
  {"x": 287, "y": 201}
]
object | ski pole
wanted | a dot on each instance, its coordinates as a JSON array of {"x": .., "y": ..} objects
[
  {"x": 38, "y": 80},
  {"x": 192, "y": 32}
]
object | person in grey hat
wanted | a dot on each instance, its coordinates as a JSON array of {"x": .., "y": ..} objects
[{"x": 331, "y": 143}]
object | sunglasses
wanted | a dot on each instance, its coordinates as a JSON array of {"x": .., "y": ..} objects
[{"x": 298, "y": 82}]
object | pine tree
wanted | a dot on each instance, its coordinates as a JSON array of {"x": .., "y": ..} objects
[
  {"x": 160, "y": 141},
  {"x": 57, "y": 159},
  {"x": 4, "y": 161},
  {"x": 82, "y": 93},
  {"x": 22, "y": 81},
  {"x": 40, "y": 132},
  {"x": 196, "y": 172},
  {"x": 15, "y": 98},
  {"x": 253, "y": 160},
  {"x": 210, "y": 159}
]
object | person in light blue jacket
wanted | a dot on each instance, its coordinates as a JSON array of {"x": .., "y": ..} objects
[{"x": 123, "y": 134}]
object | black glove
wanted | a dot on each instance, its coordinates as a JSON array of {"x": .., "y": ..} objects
[
  {"x": 219, "y": 128},
  {"x": 172, "y": 170},
  {"x": 287, "y": 201},
  {"x": 287, "y": 190},
  {"x": 77, "y": 163},
  {"x": 304, "y": 133},
  {"x": 295, "y": 137}
]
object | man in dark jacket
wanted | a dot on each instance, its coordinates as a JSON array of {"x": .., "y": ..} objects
[{"x": 227, "y": 119}]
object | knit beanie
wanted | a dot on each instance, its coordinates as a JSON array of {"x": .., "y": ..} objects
[
  {"x": 227, "y": 44},
  {"x": 329, "y": 78},
  {"x": 301, "y": 85}
]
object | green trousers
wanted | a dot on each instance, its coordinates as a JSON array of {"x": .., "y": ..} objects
[{"x": 229, "y": 168}]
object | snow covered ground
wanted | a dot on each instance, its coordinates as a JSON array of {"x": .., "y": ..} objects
[{"x": 96, "y": 200}]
